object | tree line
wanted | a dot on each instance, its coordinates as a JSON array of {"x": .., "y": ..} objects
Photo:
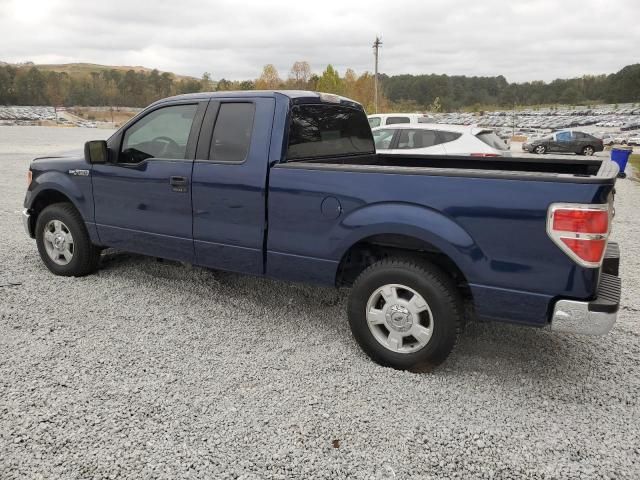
[{"x": 29, "y": 85}]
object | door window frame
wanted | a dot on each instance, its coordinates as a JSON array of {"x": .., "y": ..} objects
[
  {"x": 115, "y": 142},
  {"x": 203, "y": 149}
]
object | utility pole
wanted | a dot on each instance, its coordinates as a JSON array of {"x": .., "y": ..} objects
[{"x": 376, "y": 48}]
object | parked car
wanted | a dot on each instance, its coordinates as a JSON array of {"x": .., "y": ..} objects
[
  {"x": 567, "y": 141},
  {"x": 607, "y": 138},
  {"x": 381, "y": 119},
  {"x": 633, "y": 140},
  {"x": 439, "y": 139},
  {"x": 288, "y": 185}
]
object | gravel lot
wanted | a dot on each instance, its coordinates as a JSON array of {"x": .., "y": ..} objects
[{"x": 159, "y": 370}]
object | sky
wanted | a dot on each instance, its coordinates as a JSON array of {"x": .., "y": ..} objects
[{"x": 522, "y": 40}]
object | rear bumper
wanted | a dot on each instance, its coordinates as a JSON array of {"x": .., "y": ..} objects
[{"x": 595, "y": 317}]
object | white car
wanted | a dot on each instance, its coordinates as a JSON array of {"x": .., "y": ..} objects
[
  {"x": 382, "y": 119},
  {"x": 439, "y": 139}
]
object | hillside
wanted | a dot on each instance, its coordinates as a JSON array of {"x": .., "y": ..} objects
[{"x": 85, "y": 68}]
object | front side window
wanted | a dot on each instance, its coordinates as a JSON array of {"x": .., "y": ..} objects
[
  {"x": 163, "y": 133},
  {"x": 382, "y": 138},
  {"x": 321, "y": 130},
  {"x": 232, "y": 132},
  {"x": 393, "y": 120}
]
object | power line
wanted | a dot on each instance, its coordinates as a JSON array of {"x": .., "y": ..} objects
[{"x": 376, "y": 47}]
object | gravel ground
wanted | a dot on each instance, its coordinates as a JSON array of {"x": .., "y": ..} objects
[{"x": 159, "y": 370}]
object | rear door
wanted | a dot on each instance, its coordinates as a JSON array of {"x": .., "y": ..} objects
[
  {"x": 229, "y": 180},
  {"x": 143, "y": 196}
]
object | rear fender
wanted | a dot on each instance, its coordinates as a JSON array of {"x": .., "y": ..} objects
[{"x": 415, "y": 221}]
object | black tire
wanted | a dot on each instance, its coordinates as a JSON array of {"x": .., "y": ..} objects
[
  {"x": 540, "y": 150},
  {"x": 437, "y": 289},
  {"x": 86, "y": 256}
]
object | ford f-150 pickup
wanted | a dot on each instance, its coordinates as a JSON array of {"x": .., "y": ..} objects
[{"x": 288, "y": 185}]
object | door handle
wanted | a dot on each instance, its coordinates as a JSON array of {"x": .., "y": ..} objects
[{"x": 178, "y": 181}]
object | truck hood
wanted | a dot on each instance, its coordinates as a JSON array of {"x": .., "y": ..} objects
[{"x": 60, "y": 162}]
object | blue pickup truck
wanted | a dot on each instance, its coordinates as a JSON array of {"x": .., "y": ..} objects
[{"x": 288, "y": 185}]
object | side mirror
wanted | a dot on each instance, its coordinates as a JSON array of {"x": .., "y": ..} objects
[{"x": 96, "y": 151}]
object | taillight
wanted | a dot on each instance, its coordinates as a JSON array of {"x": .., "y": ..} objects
[
  {"x": 580, "y": 230},
  {"x": 29, "y": 177},
  {"x": 484, "y": 155}
]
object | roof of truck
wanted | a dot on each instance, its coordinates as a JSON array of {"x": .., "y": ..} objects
[{"x": 301, "y": 96}]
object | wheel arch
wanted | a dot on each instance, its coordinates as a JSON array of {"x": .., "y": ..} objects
[{"x": 44, "y": 198}]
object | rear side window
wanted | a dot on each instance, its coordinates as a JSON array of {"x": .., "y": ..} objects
[
  {"x": 421, "y": 138},
  {"x": 232, "y": 132},
  {"x": 328, "y": 130},
  {"x": 446, "y": 137},
  {"x": 493, "y": 140},
  {"x": 374, "y": 122},
  {"x": 392, "y": 120},
  {"x": 416, "y": 139}
]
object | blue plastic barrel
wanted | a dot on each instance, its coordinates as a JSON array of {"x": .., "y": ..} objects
[{"x": 621, "y": 157}]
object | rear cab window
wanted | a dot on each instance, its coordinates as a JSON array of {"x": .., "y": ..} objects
[{"x": 321, "y": 130}]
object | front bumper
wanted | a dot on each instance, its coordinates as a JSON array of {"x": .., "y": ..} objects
[
  {"x": 26, "y": 222},
  {"x": 595, "y": 317}
]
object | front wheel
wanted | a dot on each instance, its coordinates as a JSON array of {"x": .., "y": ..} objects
[
  {"x": 63, "y": 241},
  {"x": 588, "y": 151},
  {"x": 540, "y": 149},
  {"x": 405, "y": 314}
]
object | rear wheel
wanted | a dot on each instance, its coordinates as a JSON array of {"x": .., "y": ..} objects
[
  {"x": 588, "y": 150},
  {"x": 63, "y": 241},
  {"x": 540, "y": 149},
  {"x": 405, "y": 314}
]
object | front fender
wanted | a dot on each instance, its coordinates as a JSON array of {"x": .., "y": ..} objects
[
  {"x": 415, "y": 221},
  {"x": 76, "y": 189}
]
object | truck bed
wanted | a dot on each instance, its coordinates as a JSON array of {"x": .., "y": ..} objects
[{"x": 558, "y": 168}]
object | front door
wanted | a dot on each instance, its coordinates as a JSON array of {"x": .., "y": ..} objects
[
  {"x": 564, "y": 142},
  {"x": 143, "y": 197}
]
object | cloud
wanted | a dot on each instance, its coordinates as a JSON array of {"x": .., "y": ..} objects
[{"x": 522, "y": 40}]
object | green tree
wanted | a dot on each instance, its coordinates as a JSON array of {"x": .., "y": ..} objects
[
  {"x": 206, "y": 84},
  {"x": 329, "y": 81}
]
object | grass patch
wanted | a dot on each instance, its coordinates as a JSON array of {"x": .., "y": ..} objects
[{"x": 634, "y": 160}]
